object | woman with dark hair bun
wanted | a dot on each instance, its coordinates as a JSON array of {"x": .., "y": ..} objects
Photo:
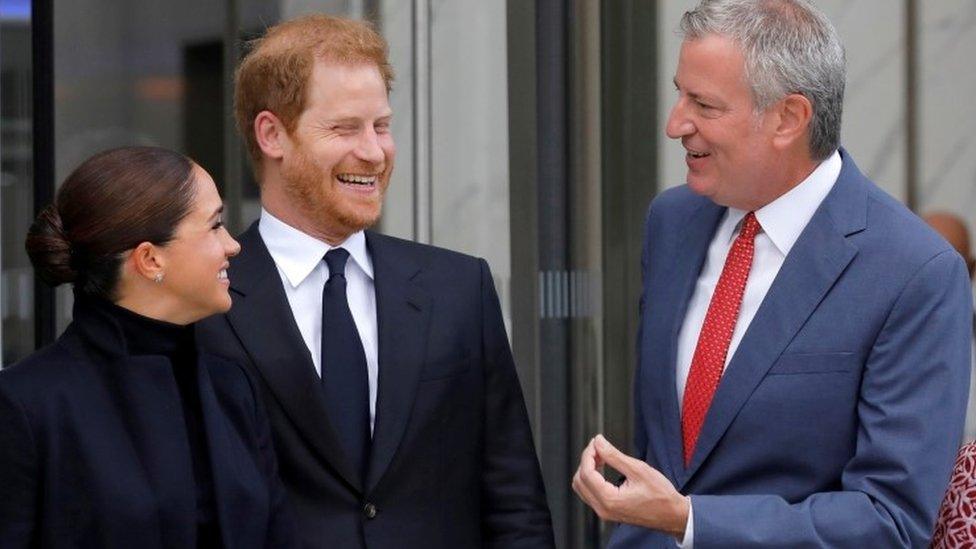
[{"x": 121, "y": 434}]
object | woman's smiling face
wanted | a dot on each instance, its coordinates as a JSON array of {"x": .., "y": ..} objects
[{"x": 197, "y": 257}]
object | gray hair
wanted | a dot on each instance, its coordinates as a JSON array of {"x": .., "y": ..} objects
[{"x": 790, "y": 47}]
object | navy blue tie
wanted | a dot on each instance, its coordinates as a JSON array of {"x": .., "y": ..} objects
[{"x": 344, "y": 377}]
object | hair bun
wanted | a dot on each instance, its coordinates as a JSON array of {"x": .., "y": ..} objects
[{"x": 49, "y": 248}]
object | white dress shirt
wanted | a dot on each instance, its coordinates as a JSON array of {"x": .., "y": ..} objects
[
  {"x": 782, "y": 221},
  {"x": 299, "y": 259}
]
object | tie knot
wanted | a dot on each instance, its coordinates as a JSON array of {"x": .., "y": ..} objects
[
  {"x": 336, "y": 260},
  {"x": 750, "y": 226}
]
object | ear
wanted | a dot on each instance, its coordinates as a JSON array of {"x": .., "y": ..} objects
[
  {"x": 794, "y": 114},
  {"x": 147, "y": 261},
  {"x": 270, "y": 134}
]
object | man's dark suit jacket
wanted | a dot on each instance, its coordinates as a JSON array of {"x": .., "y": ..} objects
[
  {"x": 94, "y": 450},
  {"x": 452, "y": 462}
]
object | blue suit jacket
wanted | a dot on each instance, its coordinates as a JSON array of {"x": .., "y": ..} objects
[{"x": 837, "y": 419}]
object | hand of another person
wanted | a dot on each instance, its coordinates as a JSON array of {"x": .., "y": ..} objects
[{"x": 646, "y": 498}]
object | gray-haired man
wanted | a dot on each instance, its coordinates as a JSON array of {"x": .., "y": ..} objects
[{"x": 804, "y": 343}]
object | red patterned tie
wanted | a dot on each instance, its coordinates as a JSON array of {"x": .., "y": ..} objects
[{"x": 716, "y": 334}]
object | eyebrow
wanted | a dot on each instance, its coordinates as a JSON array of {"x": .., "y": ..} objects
[
  {"x": 218, "y": 211},
  {"x": 345, "y": 120},
  {"x": 693, "y": 95},
  {"x": 676, "y": 85},
  {"x": 354, "y": 119}
]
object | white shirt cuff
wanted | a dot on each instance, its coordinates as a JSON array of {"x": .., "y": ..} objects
[{"x": 689, "y": 539}]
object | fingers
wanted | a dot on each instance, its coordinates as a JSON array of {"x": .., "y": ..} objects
[
  {"x": 587, "y": 462},
  {"x": 646, "y": 499},
  {"x": 584, "y": 459},
  {"x": 588, "y": 481},
  {"x": 592, "y": 482},
  {"x": 584, "y": 492},
  {"x": 589, "y": 466},
  {"x": 609, "y": 454}
]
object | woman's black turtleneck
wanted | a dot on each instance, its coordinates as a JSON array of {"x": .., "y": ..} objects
[{"x": 147, "y": 336}]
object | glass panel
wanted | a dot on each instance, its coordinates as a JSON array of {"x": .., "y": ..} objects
[
  {"x": 469, "y": 134},
  {"x": 16, "y": 173}
]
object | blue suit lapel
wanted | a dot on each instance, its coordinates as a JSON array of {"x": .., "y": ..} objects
[
  {"x": 262, "y": 320},
  {"x": 403, "y": 317},
  {"x": 818, "y": 258},
  {"x": 697, "y": 233}
]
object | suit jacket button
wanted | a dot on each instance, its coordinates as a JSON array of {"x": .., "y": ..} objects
[{"x": 369, "y": 510}]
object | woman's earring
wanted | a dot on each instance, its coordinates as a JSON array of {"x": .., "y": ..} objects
[{"x": 158, "y": 279}]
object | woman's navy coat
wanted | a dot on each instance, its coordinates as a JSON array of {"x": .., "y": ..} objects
[{"x": 94, "y": 451}]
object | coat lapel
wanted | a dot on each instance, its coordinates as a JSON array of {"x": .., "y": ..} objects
[
  {"x": 150, "y": 402},
  {"x": 403, "y": 317},
  {"x": 700, "y": 227},
  {"x": 225, "y": 451},
  {"x": 148, "y": 399},
  {"x": 812, "y": 267},
  {"x": 262, "y": 320}
]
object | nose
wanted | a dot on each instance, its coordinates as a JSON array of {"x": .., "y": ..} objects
[
  {"x": 231, "y": 246},
  {"x": 369, "y": 149},
  {"x": 679, "y": 125}
]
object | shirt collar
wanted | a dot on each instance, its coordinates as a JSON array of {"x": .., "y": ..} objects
[
  {"x": 297, "y": 253},
  {"x": 783, "y": 219}
]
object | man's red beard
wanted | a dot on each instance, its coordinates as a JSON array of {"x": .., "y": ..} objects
[{"x": 314, "y": 193}]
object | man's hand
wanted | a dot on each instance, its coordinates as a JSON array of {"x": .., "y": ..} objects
[{"x": 645, "y": 499}]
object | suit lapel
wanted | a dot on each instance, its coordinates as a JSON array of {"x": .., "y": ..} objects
[
  {"x": 265, "y": 326},
  {"x": 699, "y": 229},
  {"x": 403, "y": 317},
  {"x": 818, "y": 258}
]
